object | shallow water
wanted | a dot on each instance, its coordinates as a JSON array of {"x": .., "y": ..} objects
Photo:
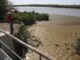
[{"x": 50, "y": 10}]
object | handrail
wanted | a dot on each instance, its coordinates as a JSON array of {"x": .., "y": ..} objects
[
  {"x": 4, "y": 55},
  {"x": 28, "y": 46},
  {"x": 11, "y": 50}
]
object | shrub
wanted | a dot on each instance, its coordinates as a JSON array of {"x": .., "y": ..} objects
[
  {"x": 45, "y": 17},
  {"x": 29, "y": 18},
  {"x": 41, "y": 17},
  {"x": 26, "y": 18},
  {"x": 23, "y": 35},
  {"x": 38, "y": 17},
  {"x": 2, "y": 18},
  {"x": 18, "y": 16},
  {"x": 3, "y": 7}
]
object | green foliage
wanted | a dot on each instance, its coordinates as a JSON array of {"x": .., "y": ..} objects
[
  {"x": 2, "y": 17},
  {"x": 22, "y": 33},
  {"x": 38, "y": 17},
  {"x": 3, "y": 9},
  {"x": 18, "y": 17},
  {"x": 30, "y": 18},
  {"x": 26, "y": 18},
  {"x": 42, "y": 17},
  {"x": 45, "y": 17}
]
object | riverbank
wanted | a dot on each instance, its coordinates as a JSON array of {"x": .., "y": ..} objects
[
  {"x": 58, "y": 36},
  {"x": 64, "y": 19}
]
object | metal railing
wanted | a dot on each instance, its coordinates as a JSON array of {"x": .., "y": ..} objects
[
  {"x": 28, "y": 46},
  {"x": 3, "y": 55},
  {"x": 1, "y": 42}
]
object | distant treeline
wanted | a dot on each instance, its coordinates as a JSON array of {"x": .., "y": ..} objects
[{"x": 59, "y": 6}]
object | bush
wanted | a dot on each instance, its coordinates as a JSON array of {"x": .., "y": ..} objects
[
  {"x": 2, "y": 18},
  {"x": 29, "y": 18},
  {"x": 38, "y": 17},
  {"x": 3, "y": 7},
  {"x": 45, "y": 17},
  {"x": 23, "y": 35},
  {"x": 41, "y": 17},
  {"x": 18, "y": 16},
  {"x": 26, "y": 18}
]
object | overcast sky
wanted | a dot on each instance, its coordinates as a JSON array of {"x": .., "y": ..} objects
[{"x": 17, "y": 2}]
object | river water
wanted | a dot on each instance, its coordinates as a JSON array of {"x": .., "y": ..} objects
[{"x": 51, "y": 10}]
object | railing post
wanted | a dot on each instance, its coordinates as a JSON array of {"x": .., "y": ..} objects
[
  {"x": 40, "y": 57},
  {"x": 0, "y": 44}
]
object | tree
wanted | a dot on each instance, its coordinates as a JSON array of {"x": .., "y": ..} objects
[
  {"x": 10, "y": 6},
  {"x": 3, "y": 8}
]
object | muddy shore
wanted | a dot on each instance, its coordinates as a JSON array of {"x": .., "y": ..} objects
[{"x": 58, "y": 36}]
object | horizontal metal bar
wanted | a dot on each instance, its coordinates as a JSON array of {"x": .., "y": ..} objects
[
  {"x": 5, "y": 56},
  {"x": 11, "y": 50},
  {"x": 26, "y": 45}
]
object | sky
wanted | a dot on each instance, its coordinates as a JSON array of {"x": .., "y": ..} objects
[{"x": 62, "y": 2}]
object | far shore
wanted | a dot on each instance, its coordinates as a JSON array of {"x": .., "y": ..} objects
[{"x": 57, "y": 6}]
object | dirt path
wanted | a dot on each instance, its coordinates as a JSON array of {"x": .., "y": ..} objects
[{"x": 5, "y": 26}]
